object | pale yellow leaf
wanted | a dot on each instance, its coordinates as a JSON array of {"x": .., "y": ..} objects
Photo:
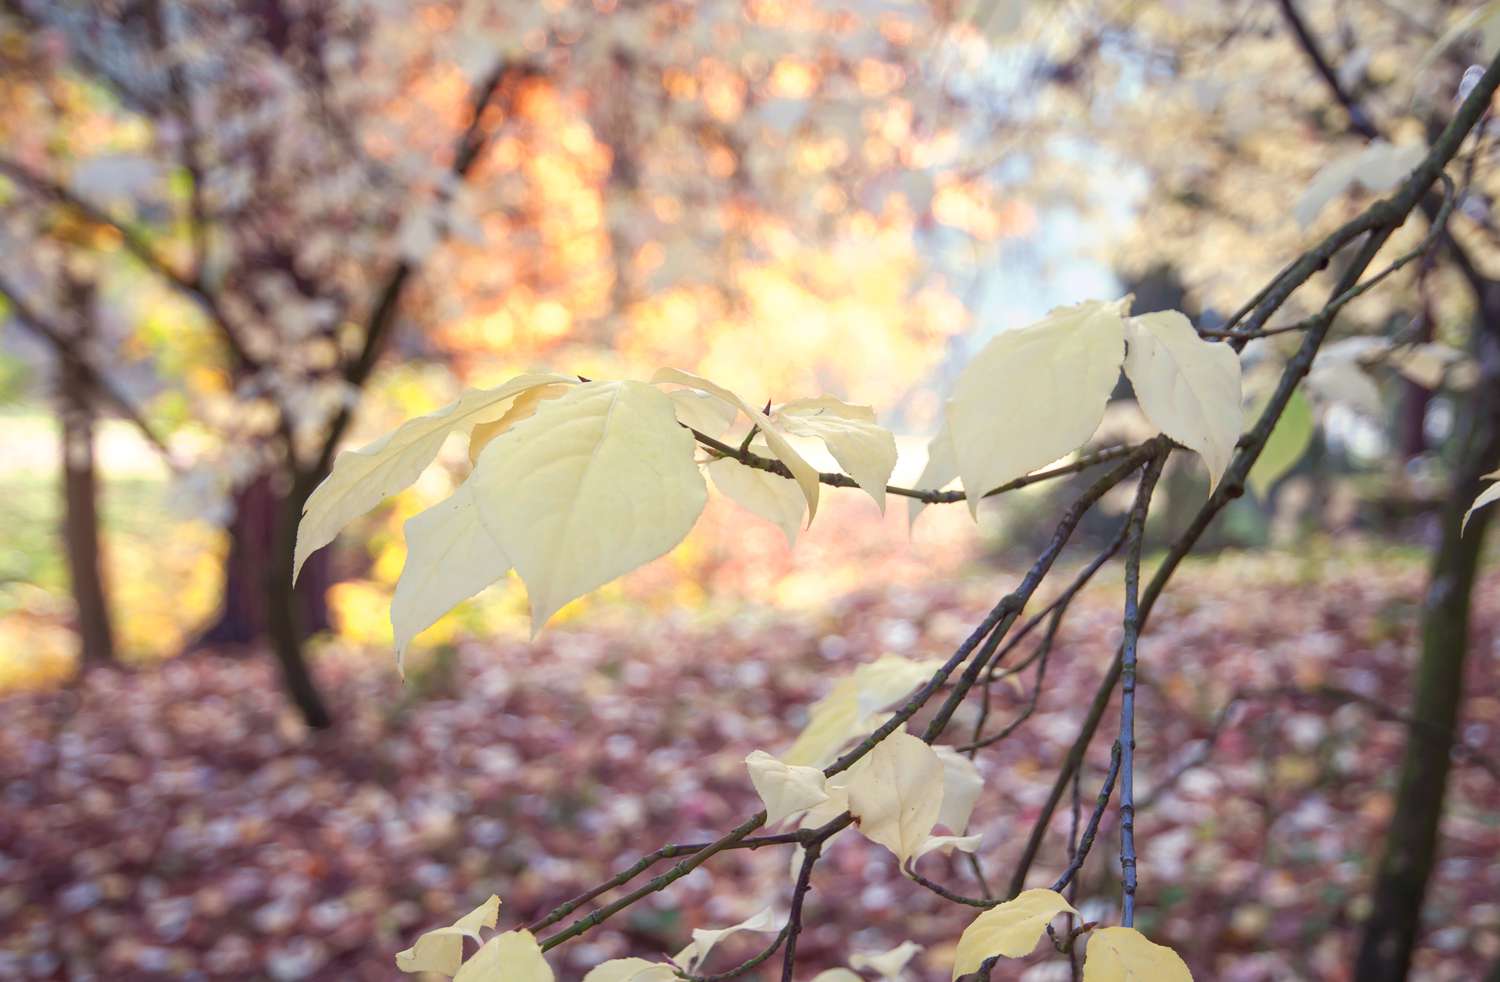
[
  {"x": 786, "y": 789},
  {"x": 703, "y": 412},
  {"x": 1123, "y": 954},
  {"x": 938, "y": 472},
  {"x": 597, "y": 482},
  {"x": 865, "y": 450},
  {"x": 442, "y": 949},
  {"x": 889, "y": 965},
  {"x": 896, "y": 797},
  {"x": 1485, "y": 19},
  {"x": 1377, "y": 166},
  {"x": 704, "y": 939},
  {"x": 1187, "y": 386},
  {"x": 631, "y": 970},
  {"x": 1035, "y": 393},
  {"x": 513, "y": 956},
  {"x": 804, "y": 473},
  {"x": 450, "y": 556},
  {"x": 1010, "y": 930},
  {"x": 845, "y": 713},
  {"x": 962, "y": 785},
  {"x": 1488, "y": 496},
  {"x": 771, "y": 496},
  {"x": 362, "y": 478},
  {"x": 1345, "y": 383},
  {"x": 523, "y": 406}
]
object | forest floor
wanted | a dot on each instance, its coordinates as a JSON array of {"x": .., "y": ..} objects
[{"x": 177, "y": 822}]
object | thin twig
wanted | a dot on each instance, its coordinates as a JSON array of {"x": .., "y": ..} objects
[
  {"x": 1129, "y": 647},
  {"x": 834, "y": 479}
]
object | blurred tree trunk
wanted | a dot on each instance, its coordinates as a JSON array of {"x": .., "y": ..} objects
[
  {"x": 260, "y": 605},
  {"x": 243, "y": 617},
  {"x": 285, "y": 604},
  {"x": 81, "y": 489},
  {"x": 1410, "y": 850}
]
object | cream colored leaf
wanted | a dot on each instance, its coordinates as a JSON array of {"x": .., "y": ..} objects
[
  {"x": 1035, "y": 393},
  {"x": 1378, "y": 166},
  {"x": 962, "y": 786},
  {"x": 944, "y": 843},
  {"x": 836, "y": 975},
  {"x": 513, "y": 956},
  {"x": 1010, "y": 930},
  {"x": 887, "y": 679},
  {"x": 845, "y": 713},
  {"x": 896, "y": 798},
  {"x": 771, "y": 496},
  {"x": 1485, "y": 19},
  {"x": 362, "y": 478},
  {"x": 864, "y": 449},
  {"x": 631, "y": 970},
  {"x": 450, "y": 556},
  {"x": 938, "y": 472},
  {"x": 597, "y": 482},
  {"x": 1123, "y": 954},
  {"x": 889, "y": 965},
  {"x": 786, "y": 789},
  {"x": 804, "y": 473},
  {"x": 523, "y": 406},
  {"x": 704, "y": 939},
  {"x": 1187, "y": 386},
  {"x": 1345, "y": 383},
  {"x": 705, "y": 413},
  {"x": 1488, "y": 496},
  {"x": 442, "y": 949}
]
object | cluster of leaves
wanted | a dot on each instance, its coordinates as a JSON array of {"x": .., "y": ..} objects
[
  {"x": 577, "y": 481},
  {"x": 177, "y": 817}
]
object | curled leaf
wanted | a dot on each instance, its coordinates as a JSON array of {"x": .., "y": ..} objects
[
  {"x": 1488, "y": 496},
  {"x": 1010, "y": 930},
  {"x": 441, "y": 950},
  {"x": 362, "y": 478},
  {"x": 865, "y": 450},
  {"x": 887, "y": 964},
  {"x": 804, "y": 473},
  {"x": 704, "y": 939},
  {"x": 786, "y": 789}
]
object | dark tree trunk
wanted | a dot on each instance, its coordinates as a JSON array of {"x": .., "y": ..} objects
[
  {"x": 260, "y": 603},
  {"x": 284, "y": 616},
  {"x": 242, "y": 618},
  {"x": 81, "y": 502},
  {"x": 1390, "y": 934}
]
